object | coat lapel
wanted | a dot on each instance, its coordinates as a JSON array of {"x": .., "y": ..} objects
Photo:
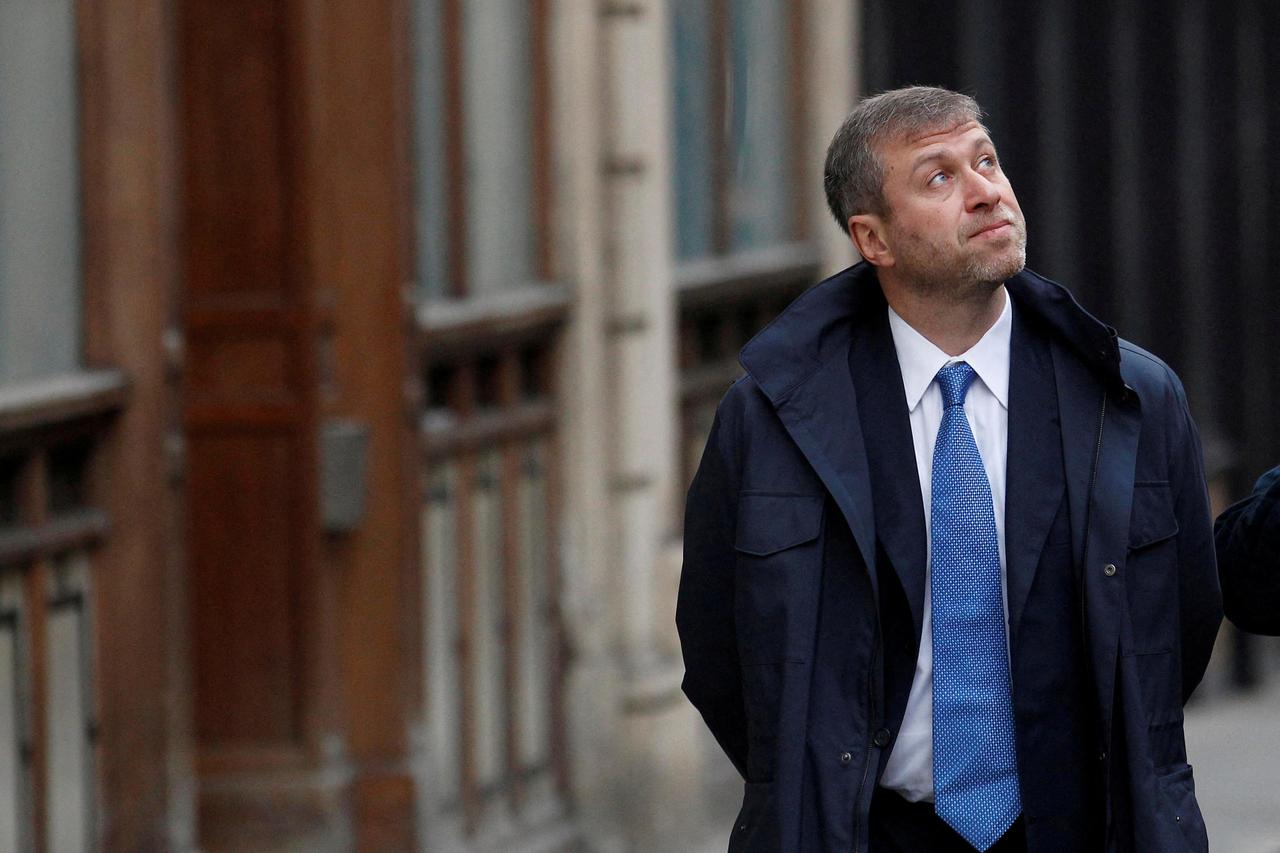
[
  {"x": 822, "y": 418},
  {"x": 891, "y": 456},
  {"x": 1034, "y": 472},
  {"x": 801, "y": 364}
]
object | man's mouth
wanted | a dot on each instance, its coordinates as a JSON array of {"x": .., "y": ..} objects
[{"x": 994, "y": 229}]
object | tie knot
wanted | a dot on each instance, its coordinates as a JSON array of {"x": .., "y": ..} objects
[{"x": 954, "y": 380}]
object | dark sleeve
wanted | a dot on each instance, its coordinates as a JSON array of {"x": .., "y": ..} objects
[
  {"x": 1199, "y": 597},
  {"x": 1247, "y": 535},
  {"x": 704, "y": 606}
]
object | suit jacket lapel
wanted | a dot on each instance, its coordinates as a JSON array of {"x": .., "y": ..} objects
[
  {"x": 891, "y": 458},
  {"x": 1034, "y": 475}
]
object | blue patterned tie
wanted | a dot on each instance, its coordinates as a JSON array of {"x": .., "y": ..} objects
[{"x": 975, "y": 769}]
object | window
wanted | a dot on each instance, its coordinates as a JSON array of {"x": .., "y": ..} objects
[
  {"x": 480, "y": 143},
  {"x": 494, "y": 652},
  {"x": 48, "y": 533},
  {"x": 39, "y": 193},
  {"x": 738, "y": 97},
  {"x": 738, "y": 121},
  {"x": 489, "y": 320}
]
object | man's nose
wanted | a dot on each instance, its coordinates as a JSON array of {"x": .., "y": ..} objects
[{"x": 981, "y": 191}]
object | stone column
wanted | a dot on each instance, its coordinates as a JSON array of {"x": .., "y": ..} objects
[
  {"x": 835, "y": 84},
  {"x": 593, "y": 688},
  {"x": 634, "y": 737},
  {"x": 659, "y": 729}
]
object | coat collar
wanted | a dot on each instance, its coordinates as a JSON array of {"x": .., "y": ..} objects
[{"x": 818, "y": 326}]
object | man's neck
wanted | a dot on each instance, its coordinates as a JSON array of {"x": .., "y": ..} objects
[{"x": 952, "y": 324}]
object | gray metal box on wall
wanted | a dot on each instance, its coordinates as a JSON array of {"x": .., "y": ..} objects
[{"x": 344, "y": 448}]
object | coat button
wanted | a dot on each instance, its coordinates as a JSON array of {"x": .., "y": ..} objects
[
  {"x": 1109, "y": 569},
  {"x": 1102, "y": 756},
  {"x": 881, "y": 738},
  {"x": 846, "y": 757}
]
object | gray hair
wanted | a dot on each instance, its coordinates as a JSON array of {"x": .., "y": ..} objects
[{"x": 854, "y": 176}]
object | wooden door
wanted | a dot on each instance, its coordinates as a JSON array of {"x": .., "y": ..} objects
[{"x": 249, "y": 408}]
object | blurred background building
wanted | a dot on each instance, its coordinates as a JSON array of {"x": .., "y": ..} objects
[{"x": 354, "y": 357}]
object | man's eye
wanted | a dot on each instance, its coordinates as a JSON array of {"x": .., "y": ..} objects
[
  {"x": 987, "y": 161},
  {"x": 938, "y": 179}
]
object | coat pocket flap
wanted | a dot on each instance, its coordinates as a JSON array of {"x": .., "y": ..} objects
[
  {"x": 771, "y": 523},
  {"x": 1152, "y": 519}
]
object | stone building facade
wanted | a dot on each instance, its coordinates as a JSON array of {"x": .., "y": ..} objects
[{"x": 355, "y": 358}]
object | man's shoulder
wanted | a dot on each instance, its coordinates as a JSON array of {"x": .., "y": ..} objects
[
  {"x": 747, "y": 421},
  {"x": 1136, "y": 358},
  {"x": 743, "y": 401},
  {"x": 1149, "y": 375}
]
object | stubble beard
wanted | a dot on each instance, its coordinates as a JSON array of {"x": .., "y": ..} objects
[
  {"x": 995, "y": 270},
  {"x": 933, "y": 271}
]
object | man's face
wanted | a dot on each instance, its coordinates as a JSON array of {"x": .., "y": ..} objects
[{"x": 954, "y": 224}]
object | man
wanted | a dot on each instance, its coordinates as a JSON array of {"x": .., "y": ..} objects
[
  {"x": 949, "y": 574},
  {"x": 1247, "y": 535}
]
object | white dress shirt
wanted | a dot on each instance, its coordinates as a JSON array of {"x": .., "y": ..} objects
[{"x": 910, "y": 768}]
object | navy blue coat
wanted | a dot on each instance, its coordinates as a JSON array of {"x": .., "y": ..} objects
[
  {"x": 785, "y": 547},
  {"x": 1248, "y": 540}
]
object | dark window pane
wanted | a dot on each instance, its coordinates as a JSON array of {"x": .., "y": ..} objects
[
  {"x": 441, "y": 386},
  {"x": 533, "y": 372},
  {"x": 488, "y": 379},
  {"x": 68, "y": 470},
  {"x": 10, "y": 508},
  {"x": 709, "y": 326}
]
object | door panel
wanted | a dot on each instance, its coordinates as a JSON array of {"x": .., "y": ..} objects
[{"x": 249, "y": 410}]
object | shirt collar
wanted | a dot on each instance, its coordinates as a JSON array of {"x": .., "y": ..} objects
[{"x": 920, "y": 360}]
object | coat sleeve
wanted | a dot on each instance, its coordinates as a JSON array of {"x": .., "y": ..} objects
[
  {"x": 704, "y": 606},
  {"x": 1199, "y": 596},
  {"x": 1247, "y": 536}
]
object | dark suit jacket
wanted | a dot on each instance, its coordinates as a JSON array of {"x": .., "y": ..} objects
[
  {"x": 1247, "y": 535},
  {"x": 802, "y": 591}
]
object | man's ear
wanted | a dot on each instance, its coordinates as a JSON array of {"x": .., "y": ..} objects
[{"x": 866, "y": 230}]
